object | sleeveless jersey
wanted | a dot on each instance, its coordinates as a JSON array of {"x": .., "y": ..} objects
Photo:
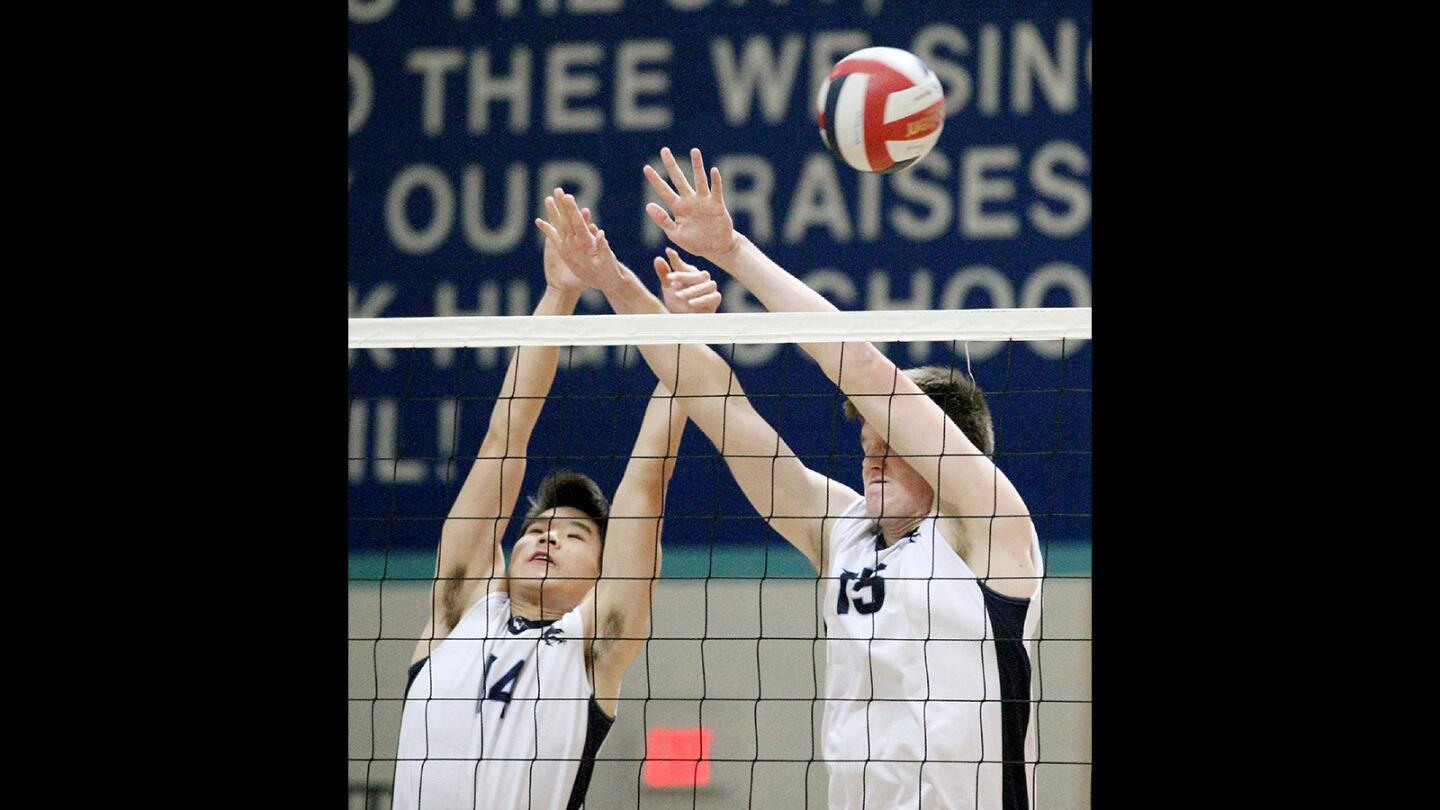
[
  {"x": 927, "y": 676},
  {"x": 500, "y": 715}
]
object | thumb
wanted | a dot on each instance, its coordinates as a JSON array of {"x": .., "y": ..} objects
[
  {"x": 660, "y": 217},
  {"x": 662, "y": 269}
]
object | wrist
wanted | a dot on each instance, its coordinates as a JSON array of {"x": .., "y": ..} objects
[
  {"x": 722, "y": 258},
  {"x": 563, "y": 298}
]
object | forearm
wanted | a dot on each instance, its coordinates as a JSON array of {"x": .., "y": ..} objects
[
  {"x": 492, "y": 485},
  {"x": 632, "y": 550},
  {"x": 528, "y": 378}
]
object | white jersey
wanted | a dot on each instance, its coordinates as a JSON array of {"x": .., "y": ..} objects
[
  {"x": 501, "y": 715},
  {"x": 914, "y": 676}
]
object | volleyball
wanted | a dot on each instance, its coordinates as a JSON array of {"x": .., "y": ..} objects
[{"x": 881, "y": 109}]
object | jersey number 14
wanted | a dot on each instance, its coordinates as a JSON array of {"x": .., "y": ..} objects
[{"x": 502, "y": 689}]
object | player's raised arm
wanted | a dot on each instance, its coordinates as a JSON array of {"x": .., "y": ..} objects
[
  {"x": 470, "y": 562},
  {"x": 617, "y": 611},
  {"x": 969, "y": 487},
  {"x": 793, "y": 499}
]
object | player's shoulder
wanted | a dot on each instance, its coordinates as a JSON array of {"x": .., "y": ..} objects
[
  {"x": 850, "y": 525},
  {"x": 486, "y": 613}
]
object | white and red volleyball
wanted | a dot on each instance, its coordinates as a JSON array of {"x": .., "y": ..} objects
[{"x": 881, "y": 109}]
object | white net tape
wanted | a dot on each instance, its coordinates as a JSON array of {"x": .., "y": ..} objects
[{"x": 1061, "y": 323}]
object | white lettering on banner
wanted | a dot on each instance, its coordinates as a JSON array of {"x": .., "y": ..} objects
[
  {"x": 956, "y": 295},
  {"x": 1058, "y": 77},
  {"x": 989, "y": 69},
  {"x": 358, "y": 424},
  {"x": 933, "y": 198},
  {"x": 436, "y": 185},
  {"x": 976, "y": 189},
  {"x": 576, "y": 177},
  {"x": 562, "y": 86},
  {"x": 756, "y": 70},
  {"x": 953, "y": 77},
  {"x": 369, "y": 11},
  {"x": 509, "y": 8},
  {"x": 472, "y": 207},
  {"x": 827, "y": 48},
  {"x": 631, "y": 82},
  {"x": 447, "y": 427},
  {"x": 487, "y": 303},
  {"x": 388, "y": 467},
  {"x": 362, "y": 93},
  {"x": 486, "y": 88},
  {"x": 464, "y": 9},
  {"x": 818, "y": 201},
  {"x": 372, "y": 306},
  {"x": 922, "y": 209},
  {"x": 1067, "y": 277},
  {"x": 688, "y": 5},
  {"x": 868, "y": 201},
  {"x": 1087, "y": 64},
  {"x": 433, "y": 64},
  {"x": 1074, "y": 193}
]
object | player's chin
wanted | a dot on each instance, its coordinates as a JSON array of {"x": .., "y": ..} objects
[{"x": 874, "y": 501}]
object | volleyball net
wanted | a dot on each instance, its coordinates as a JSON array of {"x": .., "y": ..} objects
[{"x": 724, "y": 705}]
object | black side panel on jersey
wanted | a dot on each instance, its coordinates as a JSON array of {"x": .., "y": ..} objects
[
  {"x": 415, "y": 670},
  {"x": 1007, "y": 616},
  {"x": 597, "y": 726}
]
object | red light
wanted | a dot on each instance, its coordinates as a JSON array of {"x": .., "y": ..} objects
[{"x": 678, "y": 757}]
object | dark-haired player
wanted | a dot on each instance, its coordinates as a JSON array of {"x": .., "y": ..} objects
[
  {"x": 932, "y": 574},
  {"x": 516, "y": 679}
]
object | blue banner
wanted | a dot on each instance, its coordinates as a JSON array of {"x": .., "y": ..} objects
[{"x": 464, "y": 113}]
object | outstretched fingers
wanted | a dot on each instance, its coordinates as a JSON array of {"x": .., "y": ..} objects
[
  {"x": 575, "y": 220},
  {"x": 676, "y": 175},
  {"x": 697, "y": 163},
  {"x": 667, "y": 194},
  {"x": 546, "y": 228}
]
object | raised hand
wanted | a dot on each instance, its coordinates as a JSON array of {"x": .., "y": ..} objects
[
  {"x": 581, "y": 245},
  {"x": 700, "y": 223},
  {"x": 558, "y": 274},
  {"x": 686, "y": 288}
]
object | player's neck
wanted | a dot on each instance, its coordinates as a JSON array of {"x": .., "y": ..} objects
[
  {"x": 892, "y": 529},
  {"x": 526, "y": 601}
]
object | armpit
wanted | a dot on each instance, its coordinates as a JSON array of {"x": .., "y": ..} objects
[
  {"x": 611, "y": 629},
  {"x": 452, "y": 596}
]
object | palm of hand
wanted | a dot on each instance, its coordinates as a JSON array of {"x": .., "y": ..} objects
[
  {"x": 589, "y": 260},
  {"x": 558, "y": 273},
  {"x": 702, "y": 225}
]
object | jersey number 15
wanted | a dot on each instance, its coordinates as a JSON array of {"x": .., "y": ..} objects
[{"x": 867, "y": 580}]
